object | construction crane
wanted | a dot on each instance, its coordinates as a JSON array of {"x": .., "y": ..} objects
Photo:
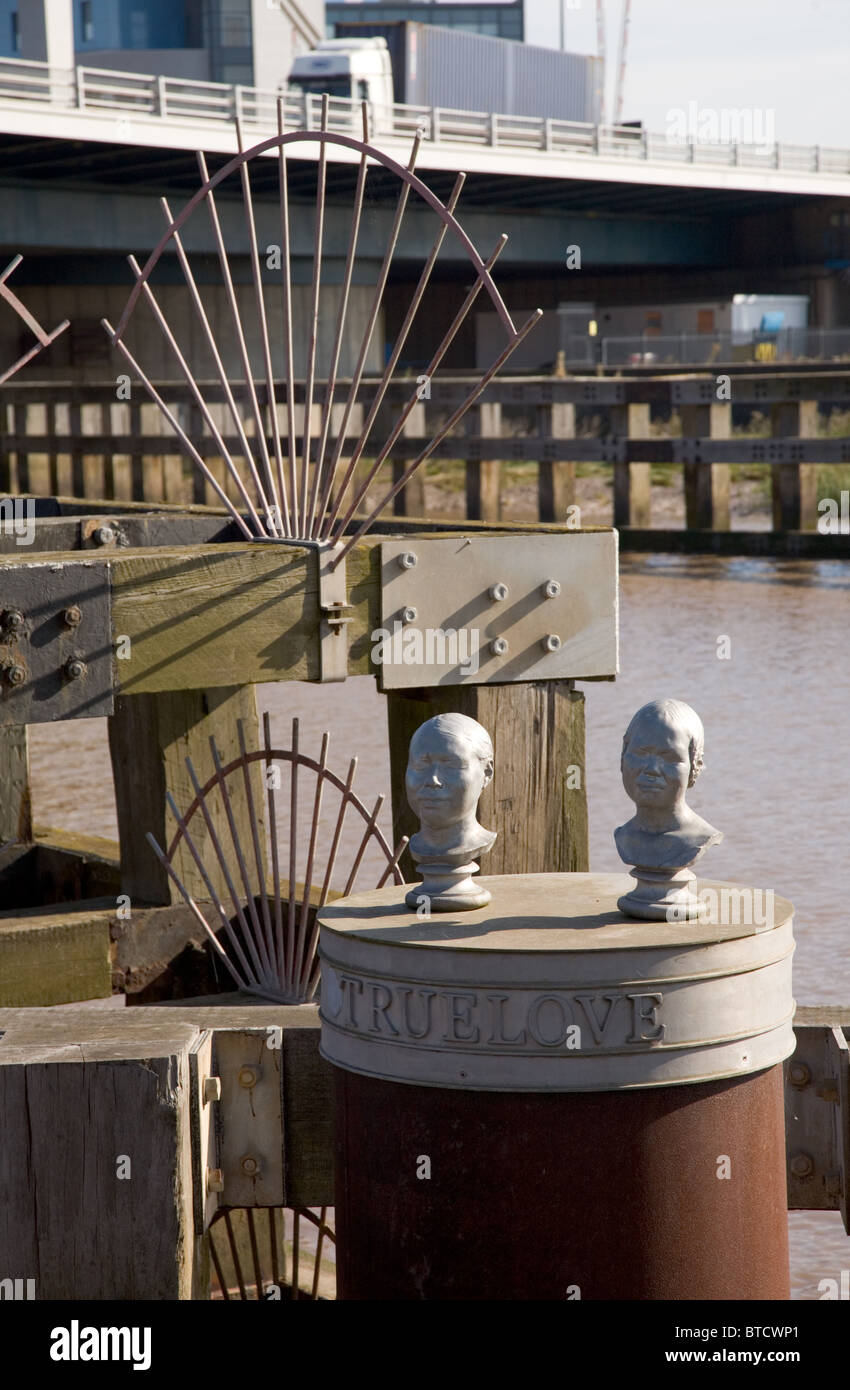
[
  {"x": 621, "y": 64},
  {"x": 600, "y": 52}
]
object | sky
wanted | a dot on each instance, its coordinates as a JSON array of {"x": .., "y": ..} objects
[{"x": 788, "y": 57}]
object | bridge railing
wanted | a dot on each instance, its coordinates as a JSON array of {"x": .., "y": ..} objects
[
  {"x": 100, "y": 91},
  {"x": 78, "y": 441}
]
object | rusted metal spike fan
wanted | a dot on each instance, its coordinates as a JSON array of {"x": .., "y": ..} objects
[
  {"x": 268, "y": 935},
  {"x": 283, "y": 1254},
  {"x": 285, "y": 490}
]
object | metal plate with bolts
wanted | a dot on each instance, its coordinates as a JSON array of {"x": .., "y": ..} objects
[
  {"x": 334, "y": 606},
  {"x": 205, "y": 1093},
  {"x": 499, "y": 608},
  {"x": 817, "y": 1120},
  {"x": 55, "y": 642},
  {"x": 249, "y": 1062}
]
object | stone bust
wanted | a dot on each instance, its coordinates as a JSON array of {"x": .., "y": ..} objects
[
  {"x": 662, "y": 757},
  {"x": 449, "y": 764}
]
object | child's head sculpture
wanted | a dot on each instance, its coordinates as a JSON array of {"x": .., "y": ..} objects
[
  {"x": 663, "y": 755},
  {"x": 449, "y": 764}
]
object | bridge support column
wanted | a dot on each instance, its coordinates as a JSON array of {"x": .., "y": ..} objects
[
  {"x": 707, "y": 484},
  {"x": 632, "y": 481},
  {"x": 517, "y": 1119},
  {"x": 795, "y": 485}
]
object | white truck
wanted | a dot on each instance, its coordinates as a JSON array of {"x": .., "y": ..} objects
[{"x": 353, "y": 69}]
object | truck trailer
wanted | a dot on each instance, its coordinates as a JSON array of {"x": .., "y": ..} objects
[{"x": 415, "y": 64}]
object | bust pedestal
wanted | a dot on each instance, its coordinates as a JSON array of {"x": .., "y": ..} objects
[{"x": 592, "y": 1068}]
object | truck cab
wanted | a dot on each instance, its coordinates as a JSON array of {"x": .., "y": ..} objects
[{"x": 353, "y": 69}]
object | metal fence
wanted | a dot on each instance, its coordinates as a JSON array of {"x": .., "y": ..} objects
[
  {"x": 709, "y": 349},
  {"x": 96, "y": 91}
]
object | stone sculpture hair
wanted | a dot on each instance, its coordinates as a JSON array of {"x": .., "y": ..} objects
[
  {"x": 682, "y": 714},
  {"x": 463, "y": 727}
]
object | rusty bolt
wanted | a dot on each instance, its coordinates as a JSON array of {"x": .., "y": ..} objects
[
  {"x": 802, "y": 1166},
  {"x": 75, "y": 669},
  {"x": 16, "y": 674},
  {"x": 499, "y": 646},
  {"x": 72, "y": 617},
  {"x": 498, "y": 592},
  {"x": 250, "y": 1166},
  {"x": 103, "y": 535},
  {"x": 551, "y": 642},
  {"x": 212, "y": 1089},
  {"x": 248, "y": 1077},
  {"x": 551, "y": 589},
  {"x": 409, "y": 615},
  {"x": 799, "y": 1075},
  {"x": 13, "y": 620},
  {"x": 215, "y": 1180},
  {"x": 407, "y": 560}
]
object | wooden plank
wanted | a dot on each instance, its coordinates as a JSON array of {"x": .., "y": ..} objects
[
  {"x": 198, "y": 619},
  {"x": 483, "y": 475},
  {"x": 15, "y": 798},
  {"x": 55, "y": 956},
  {"x": 308, "y": 1118},
  {"x": 76, "y": 1111},
  {"x": 157, "y": 732},
  {"x": 411, "y": 500},
  {"x": 538, "y": 739}
]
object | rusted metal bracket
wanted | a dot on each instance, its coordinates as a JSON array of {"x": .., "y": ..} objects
[
  {"x": 55, "y": 642},
  {"x": 817, "y": 1113},
  {"x": 333, "y": 603}
]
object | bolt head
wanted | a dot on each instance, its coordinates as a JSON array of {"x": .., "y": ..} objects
[
  {"x": 248, "y": 1077},
  {"x": 409, "y": 615},
  {"x": 551, "y": 588},
  {"x": 250, "y": 1166},
  {"x": 212, "y": 1089},
  {"x": 499, "y": 646},
  {"x": 498, "y": 592},
  {"x": 103, "y": 535},
  {"x": 799, "y": 1074},
  {"x": 13, "y": 620},
  {"x": 551, "y": 642},
  {"x": 75, "y": 669},
  {"x": 802, "y": 1166},
  {"x": 16, "y": 674},
  {"x": 407, "y": 560},
  {"x": 72, "y": 617},
  {"x": 215, "y": 1180}
]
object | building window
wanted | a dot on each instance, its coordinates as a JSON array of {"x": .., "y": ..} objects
[{"x": 86, "y": 21}]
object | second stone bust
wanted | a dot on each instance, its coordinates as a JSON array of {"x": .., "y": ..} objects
[
  {"x": 449, "y": 764},
  {"x": 662, "y": 758}
]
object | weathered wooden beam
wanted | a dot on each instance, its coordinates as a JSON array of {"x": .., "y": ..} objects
[
  {"x": 707, "y": 485},
  {"x": 632, "y": 481},
  {"x": 556, "y": 481},
  {"x": 795, "y": 493},
  {"x": 96, "y": 1161},
  {"x": 537, "y": 801},
  {"x": 15, "y": 798},
  {"x": 55, "y": 956},
  {"x": 157, "y": 732}
]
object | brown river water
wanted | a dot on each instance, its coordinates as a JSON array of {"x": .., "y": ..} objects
[{"x": 776, "y": 779}]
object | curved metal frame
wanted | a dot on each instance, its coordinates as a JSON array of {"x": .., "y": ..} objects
[
  {"x": 266, "y": 957},
  {"x": 295, "y": 507}
]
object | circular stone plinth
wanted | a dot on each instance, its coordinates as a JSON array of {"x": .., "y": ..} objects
[{"x": 549, "y": 988}]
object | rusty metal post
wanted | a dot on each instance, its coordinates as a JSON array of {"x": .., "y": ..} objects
[{"x": 540, "y": 1100}]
